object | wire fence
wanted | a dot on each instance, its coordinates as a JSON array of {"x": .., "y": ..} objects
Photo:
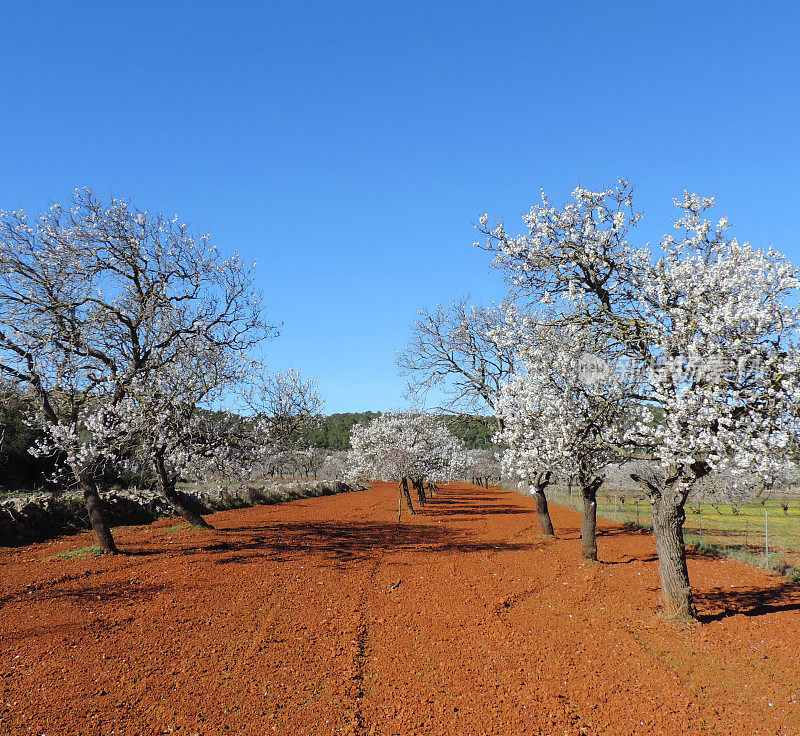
[{"x": 764, "y": 532}]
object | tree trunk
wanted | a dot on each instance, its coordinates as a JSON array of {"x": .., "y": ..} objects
[
  {"x": 540, "y": 484},
  {"x": 589, "y": 523},
  {"x": 407, "y": 494},
  {"x": 676, "y": 591},
  {"x": 668, "y": 520},
  {"x": 166, "y": 486},
  {"x": 97, "y": 514},
  {"x": 184, "y": 511},
  {"x": 420, "y": 488}
]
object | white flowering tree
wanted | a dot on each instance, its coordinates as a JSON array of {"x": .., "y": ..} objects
[
  {"x": 263, "y": 441},
  {"x": 455, "y": 348},
  {"x": 166, "y": 422},
  {"x": 284, "y": 405},
  {"x": 97, "y": 298},
  {"x": 709, "y": 326},
  {"x": 406, "y": 447},
  {"x": 564, "y": 412},
  {"x": 336, "y": 466},
  {"x": 483, "y": 466}
]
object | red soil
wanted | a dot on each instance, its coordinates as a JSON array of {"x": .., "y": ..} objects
[{"x": 289, "y": 619}]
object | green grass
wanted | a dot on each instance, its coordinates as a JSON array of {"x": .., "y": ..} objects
[
  {"x": 716, "y": 529},
  {"x": 717, "y": 524},
  {"x": 80, "y": 554},
  {"x": 184, "y": 527}
]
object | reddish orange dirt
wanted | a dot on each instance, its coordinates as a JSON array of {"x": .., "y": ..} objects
[{"x": 327, "y": 616}]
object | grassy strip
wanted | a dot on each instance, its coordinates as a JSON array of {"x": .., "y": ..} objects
[
  {"x": 80, "y": 554},
  {"x": 729, "y": 531},
  {"x": 773, "y": 561}
]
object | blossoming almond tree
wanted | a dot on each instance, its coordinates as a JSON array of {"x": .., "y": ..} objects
[
  {"x": 164, "y": 417},
  {"x": 171, "y": 422},
  {"x": 404, "y": 447},
  {"x": 454, "y": 348},
  {"x": 268, "y": 438},
  {"x": 95, "y": 297},
  {"x": 483, "y": 466},
  {"x": 283, "y": 405},
  {"x": 563, "y": 413},
  {"x": 709, "y": 325}
]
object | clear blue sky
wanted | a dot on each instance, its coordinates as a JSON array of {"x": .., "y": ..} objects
[{"x": 349, "y": 146}]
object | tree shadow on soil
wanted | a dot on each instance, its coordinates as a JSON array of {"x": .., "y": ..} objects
[
  {"x": 470, "y": 504},
  {"x": 60, "y": 587},
  {"x": 628, "y": 559},
  {"x": 116, "y": 592},
  {"x": 435, "y": 509},
  {"x": 619, "y": 530},
  {"x": 751, "y": 602},
  {"x": 343, "y": 542}
]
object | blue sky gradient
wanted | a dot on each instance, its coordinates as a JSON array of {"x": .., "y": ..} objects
[{"x": 348, "y": 147}]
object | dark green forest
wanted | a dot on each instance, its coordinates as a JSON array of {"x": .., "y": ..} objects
[
  {"x": 333, "y": 431},
  {"x": 18, "y": 468},
  {"x": 474, "y": 431}
]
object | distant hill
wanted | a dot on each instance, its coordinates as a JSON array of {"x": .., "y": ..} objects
[
  {"x": 473, "y": 430},
  {"x": 333, "y": 431}
]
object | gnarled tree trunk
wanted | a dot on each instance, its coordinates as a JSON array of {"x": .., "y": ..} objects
[
  {"x": 589, "y": 488},
  {"x": 676, "y": 591},
  {"x": 405, "y": 492},
  {"x": 419, "y": 486},
  {"x": 166, "y": 487},
  {"x": 97, "y": 514},
  {"x": 540, "y": 484},
  {"x": 668, "y": 520}
]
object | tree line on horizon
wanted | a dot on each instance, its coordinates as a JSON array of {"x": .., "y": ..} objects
[{"x": 22, "y": 471}]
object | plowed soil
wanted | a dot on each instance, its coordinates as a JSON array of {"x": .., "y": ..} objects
[{"x": 327, "y": 616}]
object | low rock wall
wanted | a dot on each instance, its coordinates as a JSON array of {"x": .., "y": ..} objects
[{"x": 35, "y": 517}]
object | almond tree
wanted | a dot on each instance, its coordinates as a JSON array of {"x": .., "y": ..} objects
[
  {"x": 336, "y": 466},
  {"x": 564, "y": 412},
  {"x": 96, "y": 297},
  {"x": 455, "y": 348},
  {"x": 284, "y": 406},
  {"x": 166, "y": 417},
  {"x": 708, "y": 325},
  {"x": 406, "y": 447},
  {"x": 280, "y": 407},
  {"x": 482, "y": 466}
]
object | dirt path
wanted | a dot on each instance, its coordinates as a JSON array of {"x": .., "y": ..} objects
[{"x": 290, "y": 620}]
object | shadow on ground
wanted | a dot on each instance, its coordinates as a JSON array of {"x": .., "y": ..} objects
[
  {"x": 752, "y": 602},
  {"x": 341, "y": 542}
]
